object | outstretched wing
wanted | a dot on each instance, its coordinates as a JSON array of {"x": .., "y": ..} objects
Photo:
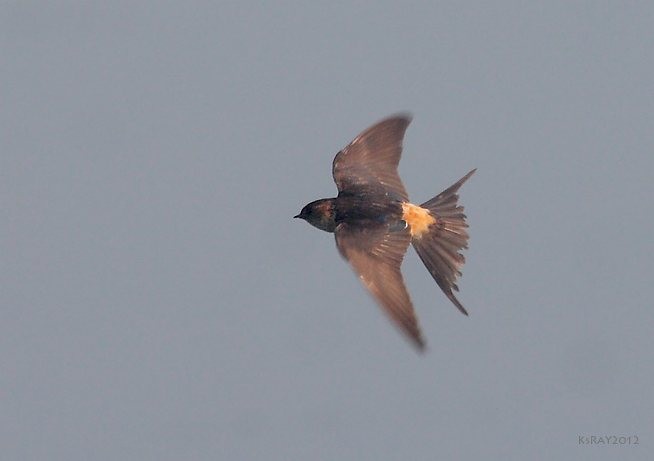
[
  {"x": 370, "y": 161},
  {"x": 376, "y": 254}
]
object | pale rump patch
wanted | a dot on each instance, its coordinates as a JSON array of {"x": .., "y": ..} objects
[{"x": 419, "y": 219}]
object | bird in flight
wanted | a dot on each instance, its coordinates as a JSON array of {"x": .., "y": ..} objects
[{"x": 374, "y": 223}]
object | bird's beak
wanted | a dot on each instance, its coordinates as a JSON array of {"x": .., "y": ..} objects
[{"x": 297, "y": 216}]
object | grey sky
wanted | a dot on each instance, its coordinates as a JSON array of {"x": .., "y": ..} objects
[{"x": 158, "y": 301}]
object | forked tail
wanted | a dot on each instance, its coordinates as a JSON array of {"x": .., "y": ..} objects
[{"x": 439, "y": 247}]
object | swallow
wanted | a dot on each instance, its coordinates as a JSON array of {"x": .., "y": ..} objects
[{"x": 374, "y": 223}]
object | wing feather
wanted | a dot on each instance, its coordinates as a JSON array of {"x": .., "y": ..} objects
[
  {"x": 376, "y": 253},
  {"x": 370, "y": 161}
]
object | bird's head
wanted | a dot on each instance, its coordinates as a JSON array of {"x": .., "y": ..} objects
[{"x": 320, "y": 214}]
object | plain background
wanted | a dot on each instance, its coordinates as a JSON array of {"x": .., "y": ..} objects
[{"x": 158, "y": 302}]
